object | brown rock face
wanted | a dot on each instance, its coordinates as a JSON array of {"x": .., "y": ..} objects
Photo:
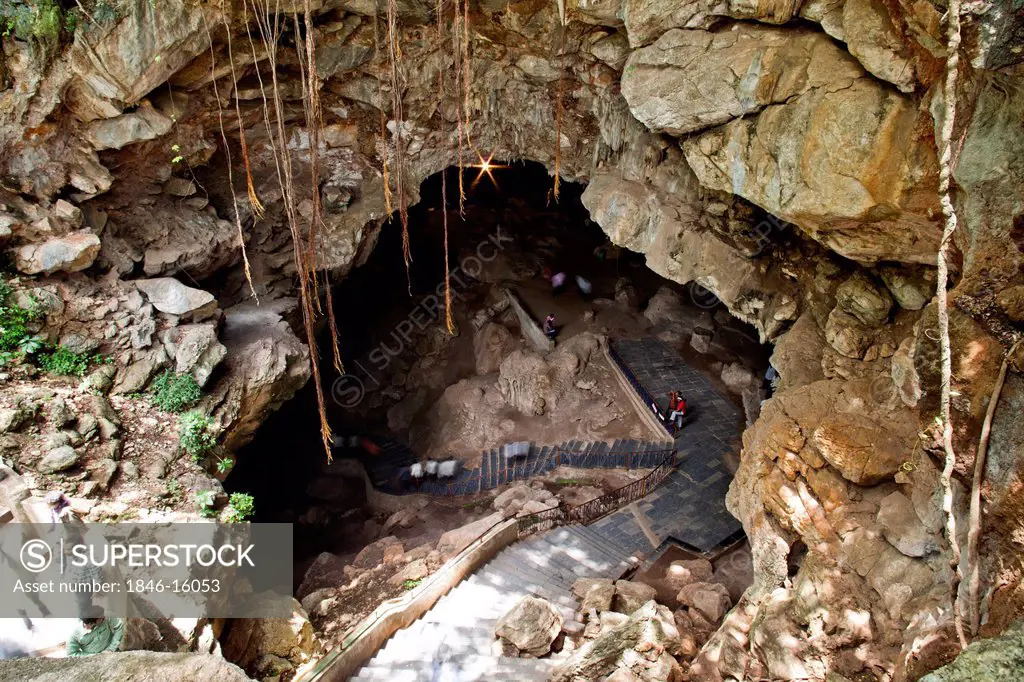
[
  {"x": 868, "y": 202},
  {"x": 692, "y": 80}
]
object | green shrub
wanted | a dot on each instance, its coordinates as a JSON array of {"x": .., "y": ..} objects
[
  {"x": 411, "y": 584},
  {"x": 174, "y": 392},
  {"x": 240, "y": 507},
  {"x": 64, "y": 361},
  {"x": 14, "y": 322},
  {"x": 205, "y": 501},
  {"x": 195, "y": 433}
]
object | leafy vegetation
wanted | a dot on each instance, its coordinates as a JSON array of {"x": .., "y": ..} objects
[
  {"x": 15, "y": 336},
  {"x": 65, "y": 362},
  {"x": 411, "y": 584},
  {"x": 42, "y": 21},
  {"x": 196, "y": 434},
  {"x": 240, "y": 507},
  {"x": 174, "y": 392},
  {"x": 206, "y": 500}
]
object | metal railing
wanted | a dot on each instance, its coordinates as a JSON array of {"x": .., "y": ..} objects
[
  {"x": 646, "y": 397},
  {"x": 594, "y": 509}
]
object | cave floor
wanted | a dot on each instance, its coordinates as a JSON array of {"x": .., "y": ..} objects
[{"x": 689, "y": 506}]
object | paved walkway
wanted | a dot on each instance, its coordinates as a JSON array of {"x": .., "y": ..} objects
[{"x": 689, "y": 506}]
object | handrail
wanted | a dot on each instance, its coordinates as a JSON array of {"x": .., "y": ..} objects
[{"x": 649, "y": 400}]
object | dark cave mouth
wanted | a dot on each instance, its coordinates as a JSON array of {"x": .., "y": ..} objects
[{"x": 509, "y": 229}]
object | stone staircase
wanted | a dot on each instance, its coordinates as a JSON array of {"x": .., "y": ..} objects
[{"x": 454, "y": 640}]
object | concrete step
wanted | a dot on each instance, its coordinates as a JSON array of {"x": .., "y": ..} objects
[
  {"x": 547, "y": 557},
  {"x": 582, "y": 552},
  {"x": 464, "y": 668},
  {"x": 581, "y": 536},
  {"x": 527, "y": 573},
  {"x": 430, "y": 639},
  {"x": 602, "y": 540}
]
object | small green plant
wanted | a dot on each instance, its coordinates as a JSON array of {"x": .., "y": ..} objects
[
  {"x": 15, "y": 321},
  {"x": 223, "y": 465},
  {"x": 172, "y": 491},
  {"x": 240, "y": 507},
  {"x": 482, "y": 502},
  {"x": 195, "y": 433},
  {"x": 411, "y": 584},
  {"x": 205, "y": 502},
  {"x": 64, "y": 361},
  {"x": 566, "y": 482},
  {"x": 174, "y": 392}
]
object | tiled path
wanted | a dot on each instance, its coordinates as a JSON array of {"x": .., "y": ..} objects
[{"x": 690, "y": 505}]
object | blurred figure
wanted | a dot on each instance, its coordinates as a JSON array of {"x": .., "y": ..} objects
[
  {"x": 557, "y": 283},
  {"x": 550, "y": 330},
  {"x": 585, "y": 287},
  {"x": 96, "y": 635}
]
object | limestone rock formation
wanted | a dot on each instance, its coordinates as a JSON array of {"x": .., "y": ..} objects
[
  {"x": 640, "y": 644},
  {"x": 691, "y": 80},
  {"x": 266, "y": 647},
  {"x": 868, "y": 202},
  {"x": 530, "y": 626},
  {"x": 144, "y": 666}
]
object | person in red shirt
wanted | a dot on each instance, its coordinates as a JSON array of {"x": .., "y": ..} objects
[{"x": 677, "y": 409}]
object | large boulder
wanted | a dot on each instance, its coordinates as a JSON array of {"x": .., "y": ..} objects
[
  {"x": 456, "y": 540},
  {"x": 998, "y": 658},
  {"x": 871, "y": 194},
  {"x": 631, "y": 595},
  {"x": 692, "y": 80},
  {"x": 492, "y": 344},
  {"x": 58, "y": 459},
  {"x": 531, "y": 626},
  {"x": 641, "y": 644},
  {"x": 170, "y": 296},
  {"x": 197, "y": 351},
  {"x": 523, "y": 381},
  {"x": 594, "y": 593},
  {"x": 138, "y": 666},
  {"x": 267, "y": 647},
  {"x": 264, "y": 367},
  {"x": 71, "y": 253},
  {"x": 684, "y": 572},
  {"x": 865, "y": 300},
  {"x": 711, "y": 599}
]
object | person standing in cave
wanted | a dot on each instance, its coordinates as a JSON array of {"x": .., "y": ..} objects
[{"x": 550, "y": 330}]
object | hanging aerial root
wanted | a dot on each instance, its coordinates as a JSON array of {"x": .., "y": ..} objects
[
  {"x": 227, "y": 148},
  {"x": 974, "y": 529},
  {"x": 942, "y": 278}
]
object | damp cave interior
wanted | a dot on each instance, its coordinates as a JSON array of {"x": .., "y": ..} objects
[{"x": 510, "y": 233}]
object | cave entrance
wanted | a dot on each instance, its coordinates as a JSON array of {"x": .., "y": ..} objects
[{"x": 410, "y": 383}]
